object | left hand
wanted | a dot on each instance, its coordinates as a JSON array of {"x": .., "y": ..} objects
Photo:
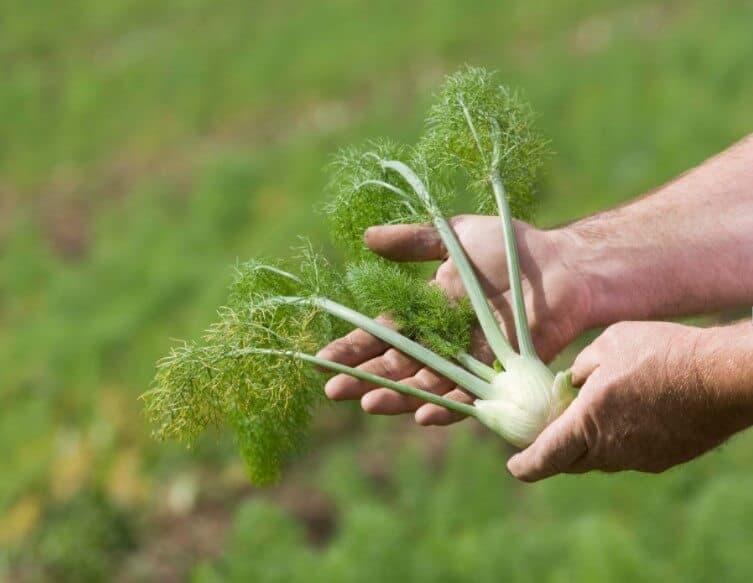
[
  {"x": 646, "y": 403},
  {"x": 557, "y": 297}
]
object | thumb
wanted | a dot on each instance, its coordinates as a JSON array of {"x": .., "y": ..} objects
[
  {"x": 554, "y": 450},
  {"x": 405, "y": 242}
]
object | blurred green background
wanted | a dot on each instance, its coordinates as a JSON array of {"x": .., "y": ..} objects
[{"x": 146, "y": 146}]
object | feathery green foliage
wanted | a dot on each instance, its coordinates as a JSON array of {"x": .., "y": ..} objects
[
  {"x": 364, "y": 194},
  {"x": 420, "y": 310},
  {"x": 266, "y": 441},
  {"x": 505, "y": 138},
  {"x": 266, "y": 399},
  {"x": 185, "y": 399}
]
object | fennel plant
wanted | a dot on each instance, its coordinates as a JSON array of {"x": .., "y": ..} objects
[{"x": 255, "y": 368}]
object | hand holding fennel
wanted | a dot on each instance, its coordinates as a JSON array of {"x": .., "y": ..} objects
[
  {"x": 556, "y": 303},
  {"x": 653, "y": 395},
  {"x": 254, "y": 369}
]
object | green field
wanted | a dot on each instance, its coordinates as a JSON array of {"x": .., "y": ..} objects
[{"x": 146, "y": 147}]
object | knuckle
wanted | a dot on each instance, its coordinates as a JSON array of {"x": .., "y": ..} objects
[
  {"x": 426, "y": 379},
  {"x": 459, "y": 395},
  {"x": 348, "y": 345},
  {"x": 611, "y": 332},
  {"x": 616, "y": 329},
  {"x": 613, "y": 336},
  {"x": 656, "y": 467},
  {"x": 623, "y": 328},
  {"x": 424, "y": 237},
  {"x": 458, "y": 220},
  {"x": 589, "y": 430},
  {"x": 446, "y": 274},
  {"x": 392, "y": 361},
  {"x": 447, "y": 269}
]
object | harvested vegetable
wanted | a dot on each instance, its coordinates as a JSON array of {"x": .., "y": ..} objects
[{"x": 255, "y": 368}]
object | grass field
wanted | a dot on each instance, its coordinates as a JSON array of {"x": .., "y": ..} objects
[{"x": 146, "y": 147}]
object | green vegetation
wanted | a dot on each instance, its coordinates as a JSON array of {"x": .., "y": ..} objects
[
  {"x": 83, "y": 539},
  {"x": 144, "y": 148},
  {"x": 464, "y": 519}
]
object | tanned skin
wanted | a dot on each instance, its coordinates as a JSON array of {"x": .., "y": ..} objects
[{"x": 653, "y": 394}]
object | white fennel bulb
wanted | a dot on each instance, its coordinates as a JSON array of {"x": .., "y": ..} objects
[{"x": 527, "y": 397}]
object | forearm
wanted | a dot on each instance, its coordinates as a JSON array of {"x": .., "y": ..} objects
[{"x": 685, "y": 248}]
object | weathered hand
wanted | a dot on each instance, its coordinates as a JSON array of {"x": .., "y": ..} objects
[
  {"x": 653, "y": 395},
  {"x": 557, "y": 301}
]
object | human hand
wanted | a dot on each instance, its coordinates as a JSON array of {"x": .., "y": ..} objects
[
  {"x": 557, "y": 302},
  {"x": 654, "y": 395}
]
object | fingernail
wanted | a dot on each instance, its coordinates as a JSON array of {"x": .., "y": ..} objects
[
  {"x": 512, "y": 463},
  {"x": 330, "y": 391},
  {"x": 369, "y": 231},
  {"x": 369, "y": 403},
  {"x": 422, "y": 415}
]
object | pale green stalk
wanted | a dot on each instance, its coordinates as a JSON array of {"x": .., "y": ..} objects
[
  {"x": 463, "y": 408},
  {"x": 280, "y": 272},
  {"x": 525, "y": 342},
  {"x": 459, "y": 375},
  {"x": 487, "y": 321},
  {"x": 394, "y": 189},
  {"x": 476, "y": 366}
]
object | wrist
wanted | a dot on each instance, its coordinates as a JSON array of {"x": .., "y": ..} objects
[
  {"x": 626, "y": 275},
  {"x": 724, "y": 366},
  {"x": 592, "y": 270},
  {"x": 570, "y": 270}
]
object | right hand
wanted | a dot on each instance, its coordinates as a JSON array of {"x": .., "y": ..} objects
[
  {"x": 653, "y": 395},
  {"x": 556, "y": 294}
]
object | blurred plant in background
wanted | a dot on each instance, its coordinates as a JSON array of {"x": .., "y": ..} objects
[
  {"x": 146, "y": 148},
  {"x": 397, "y": 530}
]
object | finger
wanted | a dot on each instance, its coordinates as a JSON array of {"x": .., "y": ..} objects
[
  {"x": 405, "y": 242},
  {"x": 389, "y": 402},
  {"x": 430, "y": 414},
  {"x": 585, "y": 364},
  {"x": 393, "y": 365},
  {"x": 554, "y": 451},
  {"x": 355, "y": 347},
  {"x": 448, "y": 278},
  {"x": 480, "y": 346}
]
